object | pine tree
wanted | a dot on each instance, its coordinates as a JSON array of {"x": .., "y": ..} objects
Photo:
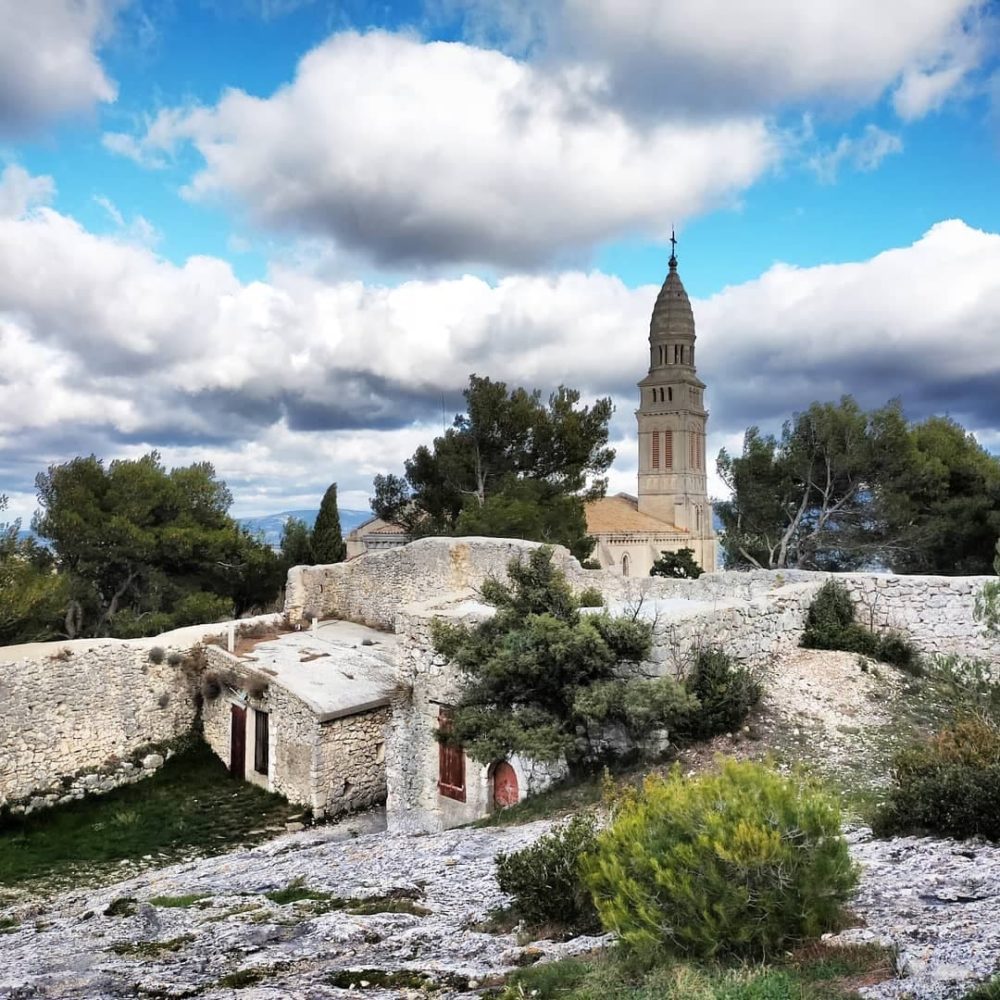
[{"x": 327, "y": 541}]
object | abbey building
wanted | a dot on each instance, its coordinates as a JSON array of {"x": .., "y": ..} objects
[{"x": 671, "y": 510}]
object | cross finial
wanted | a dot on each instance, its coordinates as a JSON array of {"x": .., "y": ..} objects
[{"x": 673, "y": 249}]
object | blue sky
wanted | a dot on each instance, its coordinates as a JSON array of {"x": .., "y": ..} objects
[{"x": 276, "y": 234}]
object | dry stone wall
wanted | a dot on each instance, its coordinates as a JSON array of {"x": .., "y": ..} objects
[{"x": 72, "y": 718}]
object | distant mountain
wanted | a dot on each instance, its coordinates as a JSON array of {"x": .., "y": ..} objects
[{"x": 272, "y": 525}]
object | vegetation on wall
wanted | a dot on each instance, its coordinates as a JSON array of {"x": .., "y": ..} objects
[
  {"x": 842, "y": 488},
  {"x": 511, "y": 466},
  {"x": 140, "y": 549},
  {"x": 987, "y": 607}
]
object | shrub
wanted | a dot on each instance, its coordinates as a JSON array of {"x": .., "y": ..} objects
[
  {"x": 744, "y": 862},
  {"x": 544, "y": 880},
  {"x": 157, "y": 654},
  {"x": 950, "y": 785},
  {"x": 725, "y": 693},
  {"x": 830, "y": 624},
  {"x": 590, "y": 597},
  {"x": 175, "y": 659},
  {"x": 201, "y": 607}
]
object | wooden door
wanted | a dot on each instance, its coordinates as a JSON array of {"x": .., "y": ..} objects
[
  {"x": 238, "y": 742},
  {"x": 505, "y": 790}
]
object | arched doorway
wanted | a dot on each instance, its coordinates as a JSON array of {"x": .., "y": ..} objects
[{"x": 505, "y": 790}]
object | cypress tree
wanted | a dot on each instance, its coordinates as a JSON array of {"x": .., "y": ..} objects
[{"x": 327, "y": 541}]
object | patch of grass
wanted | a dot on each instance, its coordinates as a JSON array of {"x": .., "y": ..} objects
[
  {"x": 180, "y": 902},
  {"x": 243, "y": 978},
  {"x": 409, "y": 979},
  {"x": 233, "y": 911},
  {"x": 566, "y": 797},
  {"x": 367, "y": 908},
  {"x": 295, "y": 891},
  {"x": 8, "y": 925},
  {"x": 190, "y": 806},
  {"x": 817, "y": 972},
  {"x": 988, "y": 991},
  {"x": 151, "y": 949}
]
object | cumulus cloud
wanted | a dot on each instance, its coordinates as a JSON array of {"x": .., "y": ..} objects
[
  {"x": 49, "y": 64},
  {"x": 107, "y": 348},
  {"x": 443, "y": 152},
  {"x": 715, "y": 56},
  {"x": 20, "y": 191}
]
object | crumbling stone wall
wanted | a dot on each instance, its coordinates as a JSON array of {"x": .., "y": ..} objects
[{"x": 81, "y": 712}]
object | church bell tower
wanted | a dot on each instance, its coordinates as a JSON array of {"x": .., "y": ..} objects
[{"x": 672, "y": 418}]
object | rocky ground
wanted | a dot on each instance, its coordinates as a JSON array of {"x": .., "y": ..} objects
[{"x": 394, "y": 916}]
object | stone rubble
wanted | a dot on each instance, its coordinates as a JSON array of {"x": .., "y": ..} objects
[{"x": 936, "y": 902}]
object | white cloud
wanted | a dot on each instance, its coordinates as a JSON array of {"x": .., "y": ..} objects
[
  {"x": 864, "y": 152},
  {"x": 20, "y": 191},
  {"x": 292, "y": 383},
  {"x": 138, "y": 229},
  {"x": 446, "y": 153},
  {"x": 49, "y": 66},
  {"x": 712, "y": 55}
]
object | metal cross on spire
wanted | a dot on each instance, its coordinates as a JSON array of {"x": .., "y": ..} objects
[{"x": 673, "y": 249}]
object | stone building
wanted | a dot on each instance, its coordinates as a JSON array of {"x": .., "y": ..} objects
[
  {"x": 305, "y": 715},
  {"x": 672, "y": 510}
]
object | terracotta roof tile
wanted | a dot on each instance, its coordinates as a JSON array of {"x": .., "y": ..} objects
[{"x": 619, "y": 514}]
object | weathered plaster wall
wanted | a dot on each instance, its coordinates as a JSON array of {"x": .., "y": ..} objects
[
  {"x": 332, "y": 766},
  {"x": 85, "y": 711}
]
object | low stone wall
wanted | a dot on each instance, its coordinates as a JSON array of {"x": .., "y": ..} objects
[
  {"x": 934, "y": 611},
  {"x": 80, "y": 714},
  {"x": 332, "y": 766}
]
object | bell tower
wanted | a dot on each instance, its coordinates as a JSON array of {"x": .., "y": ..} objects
[{"x": 673, "y": 484}]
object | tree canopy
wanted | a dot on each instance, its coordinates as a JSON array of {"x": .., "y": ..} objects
[
  {"x": 143, "y": 549},
  {"x": 843, "y": 488},
  {"x": 511, "y": 465},
  {"x": 539, "y": 673}
]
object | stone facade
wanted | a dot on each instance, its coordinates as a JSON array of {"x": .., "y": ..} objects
[
  {"x": 331, "y": 766},
  {"x": 81, "y": 712}
]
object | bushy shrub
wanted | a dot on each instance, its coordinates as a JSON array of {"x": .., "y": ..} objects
[
  {"x": 949, "y": 785},
  {"x": 157, "y": 654},
  {"x": 201, "y": 607},
  {"x": 680, "y": 565},
  {"x": 590, "y": 597},
  {"x": 744, "y": 862},
  {"x": 545, "y": 882},
  {"x": 830, "y": 624},
  {"x": 725, "y": 692}
]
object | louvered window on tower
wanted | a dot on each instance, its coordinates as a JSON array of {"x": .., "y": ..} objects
[
  {"x": 656, "y": 449},
  {"x": 668, "y": 449}
]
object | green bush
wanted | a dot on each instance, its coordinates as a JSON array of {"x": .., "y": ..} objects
[
  {"x": 744, "y": 862},
  {"x": 948, "y": 786},
  {"x": 725, "y": 694},
  {"x": 544, "y": 880},
  {"x": 830, "y": 624},
  {"x": 680, "y": 565},
  {"x": 590, "y": 597}
]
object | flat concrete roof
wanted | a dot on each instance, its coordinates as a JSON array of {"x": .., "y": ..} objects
[{"x": 331, "y": 669}]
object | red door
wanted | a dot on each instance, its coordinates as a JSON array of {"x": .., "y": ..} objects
[
  {"x": 505, "y": 791},
  {"x": 238, "y": 742}
]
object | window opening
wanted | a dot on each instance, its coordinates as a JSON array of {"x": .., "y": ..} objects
[{"x": 260, "y": 742}]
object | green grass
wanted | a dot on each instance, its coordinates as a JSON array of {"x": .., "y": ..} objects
[
  {"x": 151, "y": 949},
  {"x": 813, "y": 973},
  {"x": 988, "y": 991},
  {"x": 191, "y": 806},
  {"x": 399, "y": 900},
  {"x": 7, "y": 925},
  {"x": 179, "y": 902},
  {"x": 295, "y": 891}
]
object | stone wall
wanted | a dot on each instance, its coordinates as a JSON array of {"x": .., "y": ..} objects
[
  {"x": 77, "y": 710},
  {"x": 934, "y": 611},
  {"x": 332, "y": 766}
]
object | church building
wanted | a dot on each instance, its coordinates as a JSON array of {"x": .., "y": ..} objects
[{"x": 672, "y": 510}]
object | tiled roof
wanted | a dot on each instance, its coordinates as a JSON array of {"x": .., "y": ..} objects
[{"x": 620, "y": 514}]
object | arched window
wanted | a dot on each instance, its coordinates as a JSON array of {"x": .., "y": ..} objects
[
  {"x": 625, "y": 562},
  {"x": 670, "y": 394},
  {"x": 661, "y": 354}
]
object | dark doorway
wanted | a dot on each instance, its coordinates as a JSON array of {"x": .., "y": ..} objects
[{"x": 238, "y": 742}]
